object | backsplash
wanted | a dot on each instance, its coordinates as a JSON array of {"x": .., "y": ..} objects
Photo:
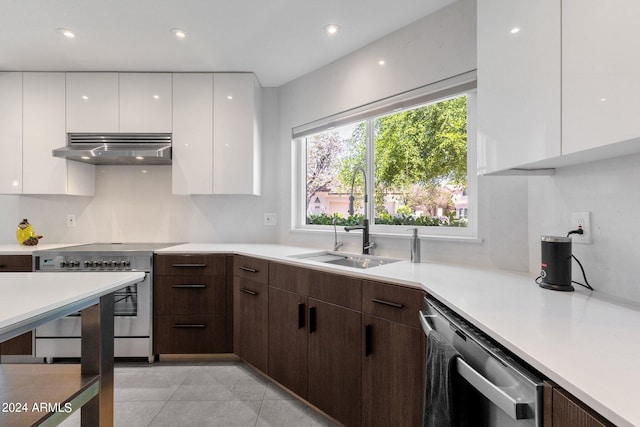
[{"x": 609, "y": 190}]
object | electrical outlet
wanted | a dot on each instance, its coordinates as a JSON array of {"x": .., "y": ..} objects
[
  {"x": 270, "y": 219},
  {"x": 71, "y": 220},
  {"x": 581, "y": 220}
]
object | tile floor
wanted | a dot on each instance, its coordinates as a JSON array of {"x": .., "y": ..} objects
[{"x": 221, "y": 393}]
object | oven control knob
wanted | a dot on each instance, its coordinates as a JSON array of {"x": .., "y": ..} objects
[
  {"x": 63, "y": 264},
  {"x": 75, "y": 263},
  {"x": 96, "y": 264},
  {"x": 87, "y": 264},
  {"x": 126, "y": 264}
]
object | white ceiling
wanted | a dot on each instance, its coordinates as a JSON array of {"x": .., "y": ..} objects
[{"x": 279, "y": 40}]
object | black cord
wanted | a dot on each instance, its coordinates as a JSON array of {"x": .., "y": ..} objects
[{"x": 588, "y": 286}]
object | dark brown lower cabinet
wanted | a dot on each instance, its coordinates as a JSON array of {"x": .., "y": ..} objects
[
  {"x": 561, "y": 409},
  {"x": 288, "y": 340},
  {"x": 20, "y": 345},
  {"x": 392, "y": 373},
  {"x": 334, "y": 361},
  {"x": 250, "y": 321}
]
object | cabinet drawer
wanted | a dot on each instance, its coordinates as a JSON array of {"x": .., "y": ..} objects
[
  {"x": 290, "y": 278},
  {"x": 392, "y": 302},
  {"x": 189, "y": 334},
  {"x": 15, "y": 263},
  {"x": 251, "y": 268},
  {"x": 337, "y": 289},
  {"x": 189, "y": 265},
  {"x": 189, "y": 295}
]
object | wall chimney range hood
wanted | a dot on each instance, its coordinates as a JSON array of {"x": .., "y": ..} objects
[{"x": 117, "y": 148}]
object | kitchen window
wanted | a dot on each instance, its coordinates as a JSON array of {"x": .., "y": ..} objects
[{"x": 418, "y": 151}]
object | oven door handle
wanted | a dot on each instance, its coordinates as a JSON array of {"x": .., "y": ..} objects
[{"x": 497, "y": 395}]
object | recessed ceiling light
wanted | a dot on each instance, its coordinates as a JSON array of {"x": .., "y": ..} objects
[
  {"x": 143, "y": 171},
  {"x": 603, "y": 99},
  {"x": 515, "y": 30},
  {"x": 65, "y": 32},
  {"x": 181, "y": 34},
  {"x": 332, "y": 29},
  {"x": 229, "y": 97},
  {"x": 85, "y": 97},
  {"x": 156, "y": 96},
  {"x": 381, "y": 62}
]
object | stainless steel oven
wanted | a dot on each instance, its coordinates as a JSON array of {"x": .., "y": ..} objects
[
  {"x": 506, "y": 393},
  {"x": 133, "y": 304}
]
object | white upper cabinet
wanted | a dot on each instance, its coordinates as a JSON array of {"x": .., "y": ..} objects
[
  {"x": 563, "y": 89},
  {"x": 601, "y": 73},
  {"x": 518, "y": 82},
  {"x": 44, "y": 130},
  {"x": 236, "y": 133},
  {"x": 192, "y": 147},
  {"x": 92, "y": 102},
  {"x": 145, "y": 102},
  {"x": 11, "y": 133},
  {"x": 216, "y": 133}
]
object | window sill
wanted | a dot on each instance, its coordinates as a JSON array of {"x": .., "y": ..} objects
[{"x": 430, "y": 237}]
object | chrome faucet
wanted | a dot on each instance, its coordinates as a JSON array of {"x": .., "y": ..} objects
[
  {"x": 336, "y": 245},
  {"x": 366, "y": 244}
]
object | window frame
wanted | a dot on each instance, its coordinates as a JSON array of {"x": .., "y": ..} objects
[{"x": 439, "y": 91}]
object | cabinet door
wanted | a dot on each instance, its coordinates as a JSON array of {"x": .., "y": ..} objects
[
  {"x": 393, "y": 367},
  {"x": 44, "y": 131},
  {"x": 92, "y": 102},
  {"x": 288, "y": 340},
  {"x": 561, "y": 409},
  {"x": 518, "y": 82},
  {"x": 600, "y": 68},
  {"x": 250, "y": 322},
  {"x": 192, "y": 148},
  {"x": 145, "y": 102},
  {"x": 236, "y": 134},
  {"x": 11, "y": 133},
  {"x": 334, "y": 357}
]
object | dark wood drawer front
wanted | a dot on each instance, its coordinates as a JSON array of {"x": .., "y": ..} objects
[
  {"x": 10, "y": 263},
  {"x": 189, "y": 265},
  {"x": 290, "y": 278},
  {"x": 188, "y": 334},
  {"x": 341, "y": 290},
  {"x": 392, "y": 302},
  {"x": 251, "y": 268},
  {"x": 189, "y": 295}
]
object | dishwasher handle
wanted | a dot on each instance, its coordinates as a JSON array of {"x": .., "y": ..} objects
[{"x": 511, "y": 406}]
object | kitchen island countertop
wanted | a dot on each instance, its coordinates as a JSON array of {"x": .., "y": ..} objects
[{"x": 587, "y": 343}]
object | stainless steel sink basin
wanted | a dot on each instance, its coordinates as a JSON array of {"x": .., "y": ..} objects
[{"x": 347, "y": 260}]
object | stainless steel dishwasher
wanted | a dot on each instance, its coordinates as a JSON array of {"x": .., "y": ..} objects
[{"x": 509, "y": 393}]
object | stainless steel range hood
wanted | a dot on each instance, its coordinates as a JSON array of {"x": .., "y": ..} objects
[{"x": 117, "y": 148}]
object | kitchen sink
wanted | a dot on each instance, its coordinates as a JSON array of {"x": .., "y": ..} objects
[{"x": 347, "y": 260}]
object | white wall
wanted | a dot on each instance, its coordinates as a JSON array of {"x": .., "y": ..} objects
[
  {"x": 131, "y": 206},
  {"x": 436, "y": 47},
  {"x": 609, "y": 190}
]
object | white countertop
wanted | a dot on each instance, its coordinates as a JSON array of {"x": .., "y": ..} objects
[
  {"x": 27, "y": 297},
  {"x": 585, "y": 343},
  {"x": 16, "y": 249}
]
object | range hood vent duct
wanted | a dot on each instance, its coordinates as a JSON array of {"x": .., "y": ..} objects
[{"x": 117, "y": 148}]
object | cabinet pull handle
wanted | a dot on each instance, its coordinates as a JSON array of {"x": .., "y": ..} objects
[
  {"x": 301, "y": 310},
  {"x": 368, "y": 340},
  {"x": 188, "y": 286},
  {"x": 312, "y": 320},
  {"x": 189, "y": 325},
  {"x": 189, "y": 265},
  {"x": 250, "y": 270},
  {"x": 248, "y": 291},
  {"x": 388, "y": 303}
]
